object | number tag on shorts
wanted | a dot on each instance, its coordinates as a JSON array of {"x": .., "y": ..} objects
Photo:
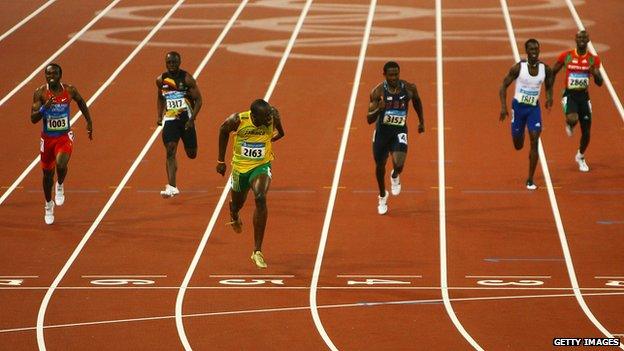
[
  {"x": 254, "y": 151},
  {"x": 394, "y": 120},
  {"x": 57, "y": 124},
  {"x": 578, "y": 81},
  {"x": 402, "y": 138}
]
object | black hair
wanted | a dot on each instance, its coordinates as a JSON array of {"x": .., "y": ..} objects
[
  {"x": 526, "y": 43},
  {"x": 174, "y": 53},
  {"x": 57, "y": 67},
  {"x": 259, "y": 107},
  {"x": 390, "y": 64}
]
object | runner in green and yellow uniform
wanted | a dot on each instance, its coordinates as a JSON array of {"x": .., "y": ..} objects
[{"x": 256, "y": 130}]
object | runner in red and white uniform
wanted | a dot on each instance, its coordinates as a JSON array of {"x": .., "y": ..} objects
[
  {"x": 51, "y": 105},
  {"x": 580, "y": 65}
]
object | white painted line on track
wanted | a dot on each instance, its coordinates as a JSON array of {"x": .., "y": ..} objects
[
  {"x": 111, "y": 200},
  {"x": 251, "y": 276},
  {"x": 336, "y": 179},
  {"x": 19, "y": 276},
  {"x": 608, "y": 277},
  {"x": 376, "y": 276},
  {"x": 38, "y": 70},
  {"x": 126, "y": 276},
  {"x": 442, "y": 182},
  {"x": 603, "y": 70},
  {"x": 299, "y": 308},
  {"x": 26, "y": 19},
  {"x": 230, "y": 287},
  {"x": 226, "y": 189},
  {"x": 509, "y": 276},
  {"x": 553, "y": 200}
]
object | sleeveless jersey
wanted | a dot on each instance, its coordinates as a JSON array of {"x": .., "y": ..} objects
[
  {"x": 56, "y": 117},
  {"x": 528, "y": 87},
  {"x": 394, "y": 113},
  {"x": 577, "y": 69},
  {"x": 175, "y": 93},
  {"x": 252, "y": 144}
]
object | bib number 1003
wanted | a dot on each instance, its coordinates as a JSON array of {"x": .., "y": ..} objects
[{"x": 57, "y": 124}]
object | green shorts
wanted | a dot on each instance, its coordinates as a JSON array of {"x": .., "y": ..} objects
[{"x": 241, "y": 182}]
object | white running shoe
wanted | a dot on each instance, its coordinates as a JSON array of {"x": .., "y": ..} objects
[
  {"x": 59, "y": 197},
  {"x": 49, "y": 212},
  {"x": 382, "y": 205},
  {"x": 569, "y": 130},
  {"x": 170, "y": 191},
  {"x": 395, "y": 183},
  {"x": 580, "y": 159},
  {"x": 530, "y": 185}
]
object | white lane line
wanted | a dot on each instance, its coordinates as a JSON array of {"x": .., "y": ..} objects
[
  {"x": 226, "y": 188},
  {"x": 251, "y": 276},
  {"x": 509, "y": 276},
  {"x": 26, "y": 19},
  {"x": 247, "y": 287},
  {"x": 85, "y": 238},
  {"x": 603, "y": 70},
  {"x": 442, "y": 183},
  {"x": 300, "y": 308},
  {"x": 19, "y": 276},
  {"x": 376, "y": 276},
  {"x": 606, "y": 277},
  {"x": 553, "y": 201},
  {"x": 125, "y": 276},
  {"x": 38, "y": 71},
  {"x": 336, "y": 180}
]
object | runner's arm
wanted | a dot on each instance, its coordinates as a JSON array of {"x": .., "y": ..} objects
[
  {"x": 35, "y": 112},
  {"x": 549, "y": 82},
  {"x": 277, "y": 122},
  {"x": 228, "y": 126},
  {"x": 374, "y": 106},
  {"x": 160, "y": 102},
  {"x": 417, "y": 103},
  {"x": 82, "y": 105},
  {"x": 195, "y": 95},
  {"x": 513, "y": 73}
]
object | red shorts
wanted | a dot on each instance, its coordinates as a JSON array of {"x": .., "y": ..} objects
[{"x": 51, "y": 146}]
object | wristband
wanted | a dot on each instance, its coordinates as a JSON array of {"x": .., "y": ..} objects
[
  {"x": 223, "y": 162},
  {"x": 42, "y": 109},
  {"x": 373, "y": 112}
]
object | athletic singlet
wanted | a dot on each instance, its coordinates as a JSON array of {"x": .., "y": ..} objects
[
  {"x": 56, "y": 117},
  {"x": 175, "y": 93},
  {"x": 528, "y": 87},
  {"x": 252, "y": 145},
  {"x": 395, "y": 111},
  {"x": 577, "y": 68}
]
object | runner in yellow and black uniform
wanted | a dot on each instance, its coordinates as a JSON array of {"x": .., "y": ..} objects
[{"x": 256, "y": 130}]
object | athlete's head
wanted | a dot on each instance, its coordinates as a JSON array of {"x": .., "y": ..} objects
[
  {"x": 391, "y": 72},
  {"x": 532, "y": 48},
  {"x": 53, "y": 74},
  {"x": 261, "y": 112},
  {"x": 173, "y": 60},
  {"x": 582, "y": 38}
]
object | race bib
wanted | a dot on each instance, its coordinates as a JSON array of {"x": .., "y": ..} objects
[
  {"x": 578, "y": 81},
  {"x": 528, "y": 99},
  {"x": 57, "y": 124},
  {"x": 253, "y": 151},
  {"x": 176, "y": 104},
  {"x": 394, "y": 120}
]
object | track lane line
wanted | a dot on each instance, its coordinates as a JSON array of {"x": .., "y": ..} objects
[
  {"x": 85, "y": 238},
  {"x": 442, "y": 182},
  {"x": 26, "y": 19},
  {"x": 603, "y": 70},
  {"x": 553, "y": 200},
  {"x": 226, "y": 188},
  {"x": 37, "y": 70},
  {"x": 346, "y": 129}
]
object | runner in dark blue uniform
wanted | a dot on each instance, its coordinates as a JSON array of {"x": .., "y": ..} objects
[{"x": 388, "y": 107}]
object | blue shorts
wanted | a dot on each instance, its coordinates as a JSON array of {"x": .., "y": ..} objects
[{"x": 522, "y": 116}]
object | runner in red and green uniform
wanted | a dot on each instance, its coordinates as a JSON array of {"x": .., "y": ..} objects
[
  {"x": 251, "y": 164},
  {"x": 51, "y": 105},
  {"x": 580, "y": 65}
]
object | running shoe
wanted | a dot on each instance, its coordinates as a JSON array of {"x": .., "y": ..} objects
[
  {"x": 395, "y": 183},
  {"x": 170, "y": 191},
  {"x": 530, "y": 185},
  {"x": 237, "y": 225},
  {"x": 258, "y": 259},
  {"x": 580, "y": 159},
  {"x": 59, "y": 197},
  {"x": 382, "y": 204},
  {"x": 49, "y": 212}
]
